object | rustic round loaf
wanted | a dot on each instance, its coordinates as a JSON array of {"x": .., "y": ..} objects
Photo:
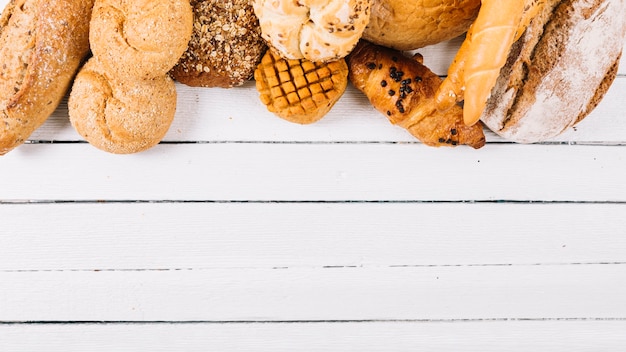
[
  {"x": 558, "y": 71},
  {"x": 319, "y": 31},
  {"x": 42, "y": 44},
  {"x": 225, "y": 47},
  {"x": 140, "y": 38},
  {"x": 117, "y": 115},
  {"x": 408, "y": 25}
]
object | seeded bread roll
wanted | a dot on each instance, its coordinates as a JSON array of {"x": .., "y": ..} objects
[
  {"x": 117, "y": 115},
  {"x": 42, "y": 44},
  {"x": 140, "y": 38},
  {"x": 318, "y": 31},
  {"x": 408, "y": 25},
  {"x": 559, "y": 70},
  {"x": 226, "y": 45}
]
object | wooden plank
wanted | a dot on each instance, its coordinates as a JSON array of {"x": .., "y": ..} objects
[
  {"x": 237, "y": 115},
  {"x": 316, "y": 172},
  {"x": 487, "y": 336},
  {"x": 312, "y": 294},
  {"x": 168, "y": 236}
]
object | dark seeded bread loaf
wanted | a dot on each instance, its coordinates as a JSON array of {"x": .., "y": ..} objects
[
  {"x": 559, "y": 70},
  {"x": 42, "y": 44}
]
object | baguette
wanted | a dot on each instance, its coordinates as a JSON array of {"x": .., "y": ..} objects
[{"x": 42, "y": 45}]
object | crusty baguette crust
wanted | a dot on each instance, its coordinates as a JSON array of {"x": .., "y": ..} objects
[
  {"x": 408, "y": 25},
  {"x": 42, "y": 44},
  {"x": 558, "y": 71}
]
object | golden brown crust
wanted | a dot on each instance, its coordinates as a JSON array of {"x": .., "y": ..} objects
[
  {"x": 300, "y": 91},
  {"x": 408, "y": 25},
  {"x": 42, "y": 44},
  {"x": 226, "y": 45},
  {"x": 558, "y": 71},
  {"x": 121, "y": 116},
  {"x": 403, "y": 89},
  {"x": 141, "y": 38}
]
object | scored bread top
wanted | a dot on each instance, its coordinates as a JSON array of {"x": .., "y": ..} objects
[{"x": 300, "y": 91}]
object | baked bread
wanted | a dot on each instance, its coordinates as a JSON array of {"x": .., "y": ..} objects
[
  {"x": 117, "y": 115},
  {"x": 42, "y": 44},
  {"x": 141, "y": 38},
  {"x": 225, "y": 47},
  {"x": 314, "y": 30},
  {"x": 558, "y": 71},
  {"x": 300, "y": 91},
  {"x": 408, "y": 25},
  {"x": 403, "y": 89}
]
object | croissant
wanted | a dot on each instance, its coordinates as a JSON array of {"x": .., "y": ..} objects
[{"x": 404, "y": 89}]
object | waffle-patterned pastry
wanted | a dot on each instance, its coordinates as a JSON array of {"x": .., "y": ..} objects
[{"x": 300, "y": 91}]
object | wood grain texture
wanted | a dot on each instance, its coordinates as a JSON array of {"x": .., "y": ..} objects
[
  {"x": 470, "y": 336},
  {"x": 318, "y": 294},
  {"x": 242, "y": 232},
  {"x": 171, "y": 236}
]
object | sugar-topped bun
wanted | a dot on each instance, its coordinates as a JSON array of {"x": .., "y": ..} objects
[{"x": 316, "y": 30}]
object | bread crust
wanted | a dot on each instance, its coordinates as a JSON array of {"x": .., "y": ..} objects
[
  {"x": 558, "y": 71},
  {"x": 226, "y": 45},
  {"x": 120, "y": 116},
  {"x": 403, "y": 89},
  {"x": 140, "y": 38},
  {"x": 42, "y": 45},
  {"x": 315, "y": 30},
  {"x": 408, "y": 25}
]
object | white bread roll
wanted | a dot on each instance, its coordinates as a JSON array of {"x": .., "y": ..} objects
[
  {"x": 316, "y": 30},
  {"x": 408, "y": 25},
  {"x": 559, "y": 70}
]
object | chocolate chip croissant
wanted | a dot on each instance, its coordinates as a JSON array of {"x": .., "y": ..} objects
[{"x": 404, "y": 89}]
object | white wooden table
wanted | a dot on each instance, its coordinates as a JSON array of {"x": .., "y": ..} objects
[{"x": 244, "y": 232}]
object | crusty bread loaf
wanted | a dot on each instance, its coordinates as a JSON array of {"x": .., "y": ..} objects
[
  {"x": 318, "y": 31},
  {"x": 403, "y": 89},
  {"x": 226, "y": 45},
  {"x": 42, "y": 44},
  {"x": 408, "y": 25},
  {"x": 118, "y": 115},
  {"x": 141, "y": 38},
  {"x": 300, "y": 91},
  {"x": 559, "y": 69}
]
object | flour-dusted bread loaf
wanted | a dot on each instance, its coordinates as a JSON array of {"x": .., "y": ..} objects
[
  {"x": 559, "y": 70},
  {"x": 117, "y": 115},
  {"x": 315, "y": 30},
  {"x": 140, "y": 38},
  {"x": 407, "y": 25},
  {"x": 226, "y": 45},
  {"x": 42, "y": 44}
]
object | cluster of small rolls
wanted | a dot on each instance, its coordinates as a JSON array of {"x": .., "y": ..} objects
[{"x": 123, "y": 100}]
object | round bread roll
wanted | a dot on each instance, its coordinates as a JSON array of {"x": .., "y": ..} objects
[
  {"x": 558, "y": 71},
  {"x": 318, "y": 31},
  {"x": 141, "y": 38},
  {"x": 409, "y": 25},
  {"x": 42, "y": 44},
  {"x": 226, "y": 45},
  {"x": 120, "y": 116}
]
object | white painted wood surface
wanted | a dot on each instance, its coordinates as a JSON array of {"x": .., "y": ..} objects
[{"x": 244, "y": 232}]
